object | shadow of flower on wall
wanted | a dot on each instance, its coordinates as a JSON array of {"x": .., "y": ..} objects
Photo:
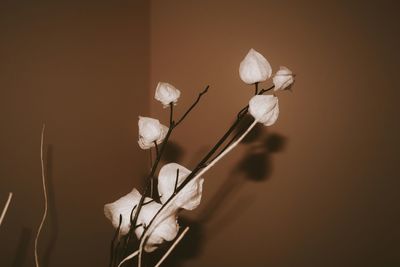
[{"x": 255, "y": 166}]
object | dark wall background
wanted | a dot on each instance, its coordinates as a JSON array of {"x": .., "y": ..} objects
[
  {"x": 320, "y": 187},
  {"x": 82, "y": 68}
]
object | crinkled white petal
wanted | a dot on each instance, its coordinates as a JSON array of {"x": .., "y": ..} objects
[
  {"x": 166, "y": 94},
  {"x": 150, "y": 130},
  {"x": 123, "y": 206},
  {"x": 254, "y": 68},
  {"x": 165, "y": 231},
  {"x": 283, "y": 79},
  {"x": 264, "y": 108},
  {"x": 190, "y": 196}
]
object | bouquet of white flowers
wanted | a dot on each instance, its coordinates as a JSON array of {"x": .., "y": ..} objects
[{"x": 151, "y": 218}]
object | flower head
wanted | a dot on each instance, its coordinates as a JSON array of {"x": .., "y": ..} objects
[
  {"x": 164, "y": 231},
  {"x": 188, "y": 197},
  {"x": 254, "y": 68},
  {"x": 150, "y": 131},
  {"x": 264, "y": 108},
  {"x": 167, "y": 93},
  {"x": 283, "y": 79}
]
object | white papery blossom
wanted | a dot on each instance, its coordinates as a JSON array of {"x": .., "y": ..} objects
[
  {"x": 165, "y": 231},
  {"x": 189, "y": 197},
  {"x": 283, "y": 79},
  {"x": 150, "y": 131},
  {"x": 166, "y": 94},
  {"x": 264, "y": 108},
  {"x": 254, "y": 68}
]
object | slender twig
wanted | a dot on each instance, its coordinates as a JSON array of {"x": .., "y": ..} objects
[
  {"x": 45, "y": 198},
  {"x": 193, "y": 105},
  {"x": 3, "y": 213},
  {"x": 132, "y": 255},
  {"x": 176, "y": 180},
  {"x": 171, "y": 116},
  {"x": 167, "y": 205},
  {"x": 171, "y": 248},
  {"x": 256, "y": 89},
  {"x": 116, "y": 234}
]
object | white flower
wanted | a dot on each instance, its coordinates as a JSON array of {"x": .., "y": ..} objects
[
  {"x": 123, "y": 206},
  {"x": 283, "y": 78},
  {"x": 167, "y": 93},
  {"x": 264, "y": 108},
  {"x": 254, "y": 68},
  {"x": 164, "y": 231},
  {"x": 189, "y": 197},
  {"x": 150, "y": 131}
]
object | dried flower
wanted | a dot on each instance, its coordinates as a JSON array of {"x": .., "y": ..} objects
[
  {"x": 150, "y": 131},
  {"x": 264, "y": 108},
  {"x": 283, "y": 79},
  {"x": 167, "y": 93},
  {"x": 165, "y": 231},
  {"x": 188, "y": 197},
  {"x": 254, "y": 68}
]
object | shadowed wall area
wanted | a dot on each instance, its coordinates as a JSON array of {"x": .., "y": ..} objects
[
  {"x": 324, "y": 191},
  {"x": 83, "y": 70}
]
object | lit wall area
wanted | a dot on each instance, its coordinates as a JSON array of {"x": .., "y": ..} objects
[
  {"x": 319, "y": 187},
  {"x": 81, "y": 68}
]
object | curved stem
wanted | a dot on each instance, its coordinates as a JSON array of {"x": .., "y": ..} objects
[
  {"x": 172, "y": 247},
  {"x": 3, "y": 213},
  {"x": 158, "y": 218},
  {"x": 45, "y": 198}
]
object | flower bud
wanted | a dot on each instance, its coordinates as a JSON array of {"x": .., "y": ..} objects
[
  {"x": 150, "y": 131},
  {"x": 254, "y": 68},
  {"x": 189, "y": 197},
  {"x": 166, "y": 94},
  {"x": 283, "y": 79},
  {"x": 264, "y": 108}
]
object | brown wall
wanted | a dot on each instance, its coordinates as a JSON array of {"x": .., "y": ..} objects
[
  {"x": 83, "y": 70},
  {"x": 320, "y": 187}
]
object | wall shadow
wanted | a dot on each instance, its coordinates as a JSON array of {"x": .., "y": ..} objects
[{"x": 254, "y": 166}]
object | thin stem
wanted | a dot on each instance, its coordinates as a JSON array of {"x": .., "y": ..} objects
[
  {"x": 45, "y": 197},
  {"x": 193, "y": 105},
  {"x": 129, "y": 257},
  {"x": 171, "y": 248},
  {"x": 156, "y": 219},
  {"x": 116, "y": 234},
  {"x": 176, "y": 180},
  {"x": 3, "y": 213},
  {"x": 256, "y": 89},
  {"x": 171, "y": 113}
]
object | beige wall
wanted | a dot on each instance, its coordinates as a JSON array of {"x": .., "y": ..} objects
[
  {"x": 328, "y": 195},
  {"x": 83, "y": 70}
]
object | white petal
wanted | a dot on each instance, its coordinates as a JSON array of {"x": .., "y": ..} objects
[
  {"x": 190, "y": 196},
  {"x": 283, "y": 78},
  {"x": 165, "y": 231},
  {"x": 150, "y": 130},
  {"x": 123, "y": 206},
  {"x": 264, "y": 108},
  {"x": 254, "y": 68},
  {"x": 166, "y": 94}
]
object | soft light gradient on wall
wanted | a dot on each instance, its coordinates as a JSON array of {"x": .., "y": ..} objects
[{"x": 319, "y": 188}]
